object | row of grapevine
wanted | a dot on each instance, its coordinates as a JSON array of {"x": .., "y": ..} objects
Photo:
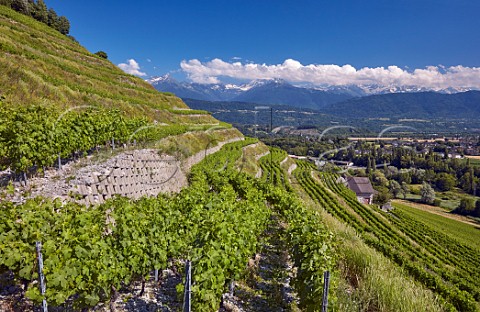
[
  {"x": 464, "y": 259},
  {"x": 310, "y": 244},
  {"x": 438, "y": 257},
  {"x": 428, "y": 269},
  {"x": 455, "y": 285},
  {"x": 36, "y": 135},
  {"x": 90, "y": 253},
  {"x": 270, "y": 165}
]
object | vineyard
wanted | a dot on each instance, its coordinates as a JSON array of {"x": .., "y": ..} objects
[
  {"x": 272, "y": 172},
  {"x": 59, "y": 103},
  {"x": 465, "y": 234},
  {"x": 442, "y": 264},
  {"x": 216, "y": 223},
  {"x": 62, "y": 103},
  {"x": 37, "y": 137}
]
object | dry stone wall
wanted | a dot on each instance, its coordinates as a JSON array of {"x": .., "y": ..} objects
[
  {"x": 136, "y": 174},
  {"x": 132, "y": 174}
]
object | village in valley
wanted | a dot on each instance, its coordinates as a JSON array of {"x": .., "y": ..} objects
[{"x": 382, "y": 169}]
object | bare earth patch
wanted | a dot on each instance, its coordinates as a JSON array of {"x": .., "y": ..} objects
[{"x": 473, "y": 157}]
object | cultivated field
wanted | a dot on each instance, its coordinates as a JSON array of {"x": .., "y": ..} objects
[{"x": 457, "y": 227}]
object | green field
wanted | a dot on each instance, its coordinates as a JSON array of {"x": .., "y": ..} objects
[
  {"x": 448, "y": 200},
  {"x": 463, "y": 232}
]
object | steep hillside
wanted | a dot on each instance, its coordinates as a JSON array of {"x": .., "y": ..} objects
[
  {"x": 41, "y": 66},
  {"x": 58, "y": 101},
  {"x": 410, "y": 105}
]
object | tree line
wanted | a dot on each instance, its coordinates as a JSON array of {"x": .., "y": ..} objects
[
  {"x": 392, "y": 169},
  {"x": 39, "y": 11},
  {"x": 409, "y": 165}
]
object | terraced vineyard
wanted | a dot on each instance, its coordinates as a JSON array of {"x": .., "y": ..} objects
[
  {"x": 440, "y": 263},
  {"x": 59, "y": 101},
  {"x": 216, "y": 223},
  {"x": 272, "y": 172}
]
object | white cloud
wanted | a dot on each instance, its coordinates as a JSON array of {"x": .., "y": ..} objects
[
  {"x": 131, "y": 67},
  {"x": 436, "y": 77}
]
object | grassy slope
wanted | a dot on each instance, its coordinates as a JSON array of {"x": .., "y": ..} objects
[{"x": 38, "y": 65}]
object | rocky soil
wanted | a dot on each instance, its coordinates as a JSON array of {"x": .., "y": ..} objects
[{"x": 267, "y": 284}]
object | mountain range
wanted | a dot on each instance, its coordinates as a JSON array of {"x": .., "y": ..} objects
[
  {"x": 455, "y": 113},
  {"x": 280, "y": 92},
  {"x": 271, "y": 91},
  {"x": 429, "y": 105}
]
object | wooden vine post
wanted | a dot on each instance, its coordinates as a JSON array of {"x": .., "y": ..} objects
[{"x": 41, "y": 277}]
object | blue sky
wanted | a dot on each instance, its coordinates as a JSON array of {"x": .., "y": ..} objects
[{"x": 159, "y": 35}]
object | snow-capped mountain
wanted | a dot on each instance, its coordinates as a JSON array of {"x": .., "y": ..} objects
[
  {"x": 279, "y": 91},
  {"x": 207, "y": 92},
  {"x": 265, "y": 91},
  {"x": 365, "y": 90}
]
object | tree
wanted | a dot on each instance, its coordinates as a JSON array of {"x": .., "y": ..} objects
[
  {"x": 391, "y": 171},
  {"x": 405, "y": 175},
  {"x": 395, "y": 188},
  {"x": 373, "y": 165},
  {"x": 404, "y": 190},
  {"x": 7, "y": 3},
  {"x": 476, "y": 212},
  {"x": 52, "y": 18},
  {"x": 427, "y": 193},
  {"x": 467, "y": 182},
  {"x": 429, "y": 175},
  {"x": 63, "y": 25},
  {"x": 41, "y": 12},
  {"x": 418, "y": 176},
  {"x": 379, "y": 178},
  {"x": 351, "y": 154},
  {"x": 20, "y": 6},
  {"x": 466, "y": 207},
  {"x": 445, "y": 182},
  {"x": 102, "y": 54},
  {"x": 381, "y": 197}
]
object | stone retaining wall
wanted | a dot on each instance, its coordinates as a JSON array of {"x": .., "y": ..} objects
[{"x": 136, "y": 174}]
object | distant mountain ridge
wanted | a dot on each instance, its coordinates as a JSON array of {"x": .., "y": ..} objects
[
  {"x": 363, "y": 118},
  {"x": 410, "y": 105},
  {"x": 280, "y": 92},
  {"x": 265, "y": 91}
]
